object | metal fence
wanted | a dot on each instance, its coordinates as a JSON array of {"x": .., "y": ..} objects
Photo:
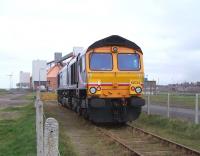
[
  {"x": 174, "y": 105},
  {"x": 46, "y": 134}
]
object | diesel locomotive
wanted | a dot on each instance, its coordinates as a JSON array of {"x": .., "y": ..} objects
[{"x": 105, "y": 82}]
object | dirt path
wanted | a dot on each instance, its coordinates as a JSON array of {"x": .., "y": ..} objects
[{"x": 84, "y": 136}]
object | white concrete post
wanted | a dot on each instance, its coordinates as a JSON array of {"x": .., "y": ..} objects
[
  {"x": 39, "y": 127},
  {"x": 148, "y": 105},
  {"x": 38, "y": 95},
  {"x": 196, "y": 110},
  {"x": 168, "y": 102},
  {"x": 51, "y": 137},
  {"x": 36, "y": 115}
]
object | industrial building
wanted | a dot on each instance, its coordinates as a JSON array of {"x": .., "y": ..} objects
[
  {"x": 39, "y": 73},
  {"x": 54, "y": 67},
  {"x": 150, "y": 87},
  {"x": 52, "y": 77},
  {"x": 24, "y": 80}
]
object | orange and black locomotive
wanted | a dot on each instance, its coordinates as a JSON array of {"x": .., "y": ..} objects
[{"x": 105, "y": 82}]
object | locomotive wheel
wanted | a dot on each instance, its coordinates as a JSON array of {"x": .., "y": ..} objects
[
  {"x": 85, "y": 113},
  {"x": 79, "y": 110}
]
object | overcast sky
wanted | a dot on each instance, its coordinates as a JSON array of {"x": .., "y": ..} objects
[{"x": 167, "y": 31}]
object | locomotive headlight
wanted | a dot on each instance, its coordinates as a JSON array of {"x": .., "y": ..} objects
[
  {"x": 93, "y": 90},
  {"x": 114, "y": 49},
  {"x": 138, "y": 89}
]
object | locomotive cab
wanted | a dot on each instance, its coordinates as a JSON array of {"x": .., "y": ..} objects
[{"x": 114, "y": 74}]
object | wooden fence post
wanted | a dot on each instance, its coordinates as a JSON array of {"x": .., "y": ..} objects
[{"x": 51, "y": 137}]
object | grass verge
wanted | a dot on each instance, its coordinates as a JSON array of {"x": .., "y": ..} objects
[
  {"x": 176, "y": 130},
  {"x": 17, "y": 136}
]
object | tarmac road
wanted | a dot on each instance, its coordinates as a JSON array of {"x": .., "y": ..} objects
[{"x": 174, "y": 112}]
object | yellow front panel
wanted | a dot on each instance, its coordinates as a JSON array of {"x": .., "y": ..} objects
[{"x": 115, "y": 83}]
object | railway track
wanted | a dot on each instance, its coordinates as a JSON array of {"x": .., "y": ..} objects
[
  {"x": 135, "y": 141},
  {"x": 139, "y": 142}
]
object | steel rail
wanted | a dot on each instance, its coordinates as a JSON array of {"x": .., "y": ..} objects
[
  {"x": 120, "y": 142},
  {"x": 187, "y": 150}
]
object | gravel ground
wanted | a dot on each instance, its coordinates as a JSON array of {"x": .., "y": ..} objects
[{"x": 9, "y": 100}]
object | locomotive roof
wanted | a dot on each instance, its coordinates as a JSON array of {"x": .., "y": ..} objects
[{"x": 114, "y": 40}]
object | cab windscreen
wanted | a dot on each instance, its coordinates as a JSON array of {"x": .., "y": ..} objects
[
  {"x": 101, "y": 61},
  {"x": 128, "y": 62}
]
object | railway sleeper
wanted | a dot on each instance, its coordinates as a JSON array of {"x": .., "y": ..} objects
[{"x": 158, "y": 153}]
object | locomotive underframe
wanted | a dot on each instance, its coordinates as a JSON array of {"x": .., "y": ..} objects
[{"x": 99, "y": 110}]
